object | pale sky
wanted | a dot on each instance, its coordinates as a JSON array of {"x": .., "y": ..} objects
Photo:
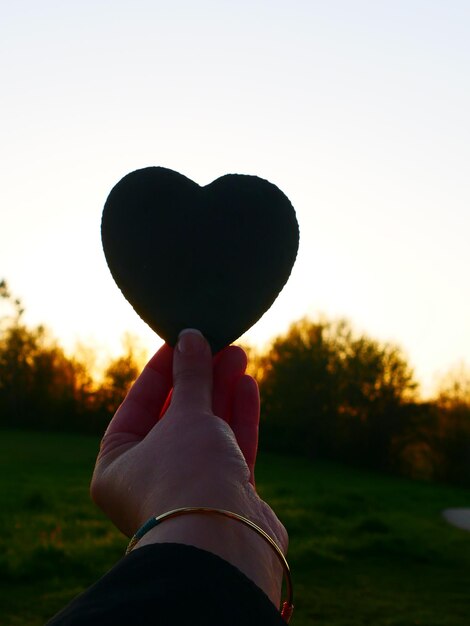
[{"x": 357, "y": 110}]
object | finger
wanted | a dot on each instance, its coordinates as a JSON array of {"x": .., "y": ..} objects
[
  {"x": 229, "y": 365},
  {"x": 245, "y": 420},
  {"x": 192, "y": 373},
  {"x": 143, "y": 404}
]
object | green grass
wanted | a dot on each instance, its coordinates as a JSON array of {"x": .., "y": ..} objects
[{"x": 364, "y": 549}]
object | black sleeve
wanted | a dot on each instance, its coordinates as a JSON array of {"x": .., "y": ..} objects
[{"x": 171, "y": 584}]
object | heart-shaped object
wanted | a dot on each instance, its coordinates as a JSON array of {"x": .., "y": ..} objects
[{"x": 213, "y": 258}]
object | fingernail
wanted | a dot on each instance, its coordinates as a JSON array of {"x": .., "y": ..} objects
[{"x": 191, "y": 341}]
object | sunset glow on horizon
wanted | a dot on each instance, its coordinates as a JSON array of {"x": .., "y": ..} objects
[{"x": 358, "y": 112}]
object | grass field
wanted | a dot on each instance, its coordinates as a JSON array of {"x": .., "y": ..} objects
[{"x": 365, "y": 549}]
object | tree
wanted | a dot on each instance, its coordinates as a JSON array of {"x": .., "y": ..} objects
[
  {"x": 454, "y": 388},
  {"x": 119, "y": 375},
  {"x": 297, "y": 384},
  {"x": 329, "y": 392},
  {"x": 40, "y": 386},
  {"x": 452, "y": 434}
]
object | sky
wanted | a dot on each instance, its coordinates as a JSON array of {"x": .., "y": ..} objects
[{"x": 357, "y": 110}]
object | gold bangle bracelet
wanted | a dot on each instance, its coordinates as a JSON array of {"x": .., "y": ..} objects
[{"x": 288, "y": 605}]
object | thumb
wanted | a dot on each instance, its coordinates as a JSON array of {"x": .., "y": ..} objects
[{"x": 192, "y": 372}]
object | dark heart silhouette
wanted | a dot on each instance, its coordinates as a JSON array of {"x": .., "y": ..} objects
[{"x": 213, "y": 258}]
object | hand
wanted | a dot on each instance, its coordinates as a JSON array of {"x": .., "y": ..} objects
[{"x": 186, "y": 435}]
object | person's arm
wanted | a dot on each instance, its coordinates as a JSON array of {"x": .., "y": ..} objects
[
  {"x": 199, "y": 449},
  {"x": 171, "y": 584}
]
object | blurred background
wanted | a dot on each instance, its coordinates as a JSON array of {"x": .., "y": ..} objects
[{"x": 358, "y": 111}]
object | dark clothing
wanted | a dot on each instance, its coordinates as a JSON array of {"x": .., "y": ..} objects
[{"x": 171, "y": 584}]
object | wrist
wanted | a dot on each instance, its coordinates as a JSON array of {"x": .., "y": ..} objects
[{"x": 229, "y": 539}]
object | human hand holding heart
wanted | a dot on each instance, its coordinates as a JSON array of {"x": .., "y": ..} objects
[
  {"x": 210, "y": 258},
  {"x": 213, "y": 258}
]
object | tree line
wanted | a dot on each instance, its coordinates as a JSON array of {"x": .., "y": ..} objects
[
  {"x": 326, "y": 392},
  {"x": 42, "y": 387},
  {"x": 330, "y": 393}
]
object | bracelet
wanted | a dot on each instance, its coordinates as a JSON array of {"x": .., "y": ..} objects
[{"x": 288, "y": 605}]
